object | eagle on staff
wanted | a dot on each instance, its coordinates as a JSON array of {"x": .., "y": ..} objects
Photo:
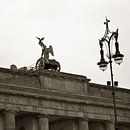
[{"x": 40, "y": 41}]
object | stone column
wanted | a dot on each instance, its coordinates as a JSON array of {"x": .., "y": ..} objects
[
  {"x": 1, "y": 122},
  {"x": 83, "y": 124},
  {"x": 9, "y": 120},
  {"x": 110, "y": 126},
  {"x": 43, "y": 122}
]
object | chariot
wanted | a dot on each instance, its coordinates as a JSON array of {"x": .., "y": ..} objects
[{"x": 51, "y": 64}]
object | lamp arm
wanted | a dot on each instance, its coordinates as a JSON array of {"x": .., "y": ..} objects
[{"x": 109, "y": 40}]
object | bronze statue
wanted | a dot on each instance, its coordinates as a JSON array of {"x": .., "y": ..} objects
[
  {"x": 45, "y": 50},
  {"x": 45, "y": 62}
]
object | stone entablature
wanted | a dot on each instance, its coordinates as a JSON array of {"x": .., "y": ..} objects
[
  {"x": 102, "y": 91},
  {"x": 53, "y": 81},
  {"x": 60, "y": 94}
]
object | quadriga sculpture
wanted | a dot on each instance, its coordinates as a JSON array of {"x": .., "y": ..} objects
[{"x": 44, "y": 62}]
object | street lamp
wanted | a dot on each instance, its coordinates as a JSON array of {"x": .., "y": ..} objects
[{"x": 108, "y": 39}]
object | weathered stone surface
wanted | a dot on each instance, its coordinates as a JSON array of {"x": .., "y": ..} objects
[
  {"x": 9, "y": 120},
  {"x": 61, "y": 95}
]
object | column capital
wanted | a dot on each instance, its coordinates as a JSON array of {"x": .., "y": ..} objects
[
  {"x": 83, "y": 119},
  {"x": 9, "y": 111},
  {"x": 42, "y": 116}
]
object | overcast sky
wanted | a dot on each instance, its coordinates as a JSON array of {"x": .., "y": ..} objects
[{"x": 72, "y": 27}]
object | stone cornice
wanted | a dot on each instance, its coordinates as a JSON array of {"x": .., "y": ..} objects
[{"x": 109, "y": 87}]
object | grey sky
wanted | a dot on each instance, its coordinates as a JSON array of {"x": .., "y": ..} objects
[{"x": 72, "y": 27}]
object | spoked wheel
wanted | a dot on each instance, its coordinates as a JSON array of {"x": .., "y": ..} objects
[
  {"x": 59, "y": 67},
  {"x": 56, "y": 67},
  {"x": 40, "y": 64}
]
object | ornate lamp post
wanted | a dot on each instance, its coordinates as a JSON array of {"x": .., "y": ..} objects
[{"x": 118, "y": 58}]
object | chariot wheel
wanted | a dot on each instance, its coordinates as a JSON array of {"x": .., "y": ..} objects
[
  {"x": 40, "y": 64},
  {"x": 58, "y": 67}
]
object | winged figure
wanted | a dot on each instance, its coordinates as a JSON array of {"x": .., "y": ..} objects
[{"x": 45, "y": 50}]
